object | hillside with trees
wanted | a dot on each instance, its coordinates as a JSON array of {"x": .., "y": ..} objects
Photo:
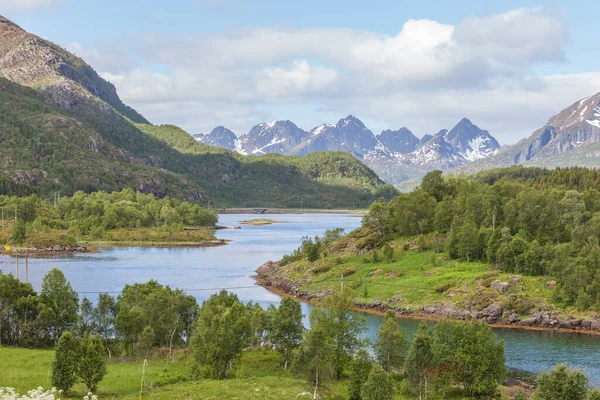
[{"x": 516, "y": 246}]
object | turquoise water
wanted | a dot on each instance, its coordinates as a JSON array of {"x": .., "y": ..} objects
[{"x": 201, "y": 272}]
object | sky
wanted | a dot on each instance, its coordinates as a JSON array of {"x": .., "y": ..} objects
[{"x": 507, "y": 65}]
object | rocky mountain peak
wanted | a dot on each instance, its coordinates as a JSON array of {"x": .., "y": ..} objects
[
  {"x": 65, "y": 79},
  {"x": 471, "y": 141},
  {"x": 219, "y": 137},
  {"x": 402, "y": 141}
]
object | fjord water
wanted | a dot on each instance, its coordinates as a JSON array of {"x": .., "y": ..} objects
[{"x": 203, "y": 271}]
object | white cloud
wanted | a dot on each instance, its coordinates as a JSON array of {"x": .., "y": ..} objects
[
  {"x": 27, "y": 5},
  {"x": 426, "y": 77}
]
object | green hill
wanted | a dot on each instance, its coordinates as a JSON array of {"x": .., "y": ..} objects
[{"x": 74, "y": 133}]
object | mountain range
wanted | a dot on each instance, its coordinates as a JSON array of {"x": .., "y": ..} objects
[
  {"x": 64, "y": 128},
  {"x": 396, "y": 156},
  {"x": 570, "y": 138}
]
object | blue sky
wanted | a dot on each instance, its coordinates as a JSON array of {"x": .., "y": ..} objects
[{"x": 507, "y": 65}]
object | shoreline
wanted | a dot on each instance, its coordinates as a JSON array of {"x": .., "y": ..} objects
[
  {"x": 416, "y": 315},
  {"x": 289, "y": 211},
  {"x": 87, "y": 248}
]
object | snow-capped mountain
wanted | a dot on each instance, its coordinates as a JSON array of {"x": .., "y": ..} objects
[
  {"x": 472, "y": 143},
  {"x": 570, "y": 138},
  {"x": 219, "y": 137},
  {"x": 395, "y": 155},
  {"x": 273, "y": 137},
  {"x": 572, "y": 128},
  {"x": 349, "y": 135},
  {"x": 401, "y": 141}
]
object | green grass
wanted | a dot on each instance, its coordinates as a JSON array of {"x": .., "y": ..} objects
[
  {"x": 258, "y": 375},
  {"x": 416, "y": 278}
]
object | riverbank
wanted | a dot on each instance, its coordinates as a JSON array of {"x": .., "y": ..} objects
[
  {"x": 60, "y": 242},
  {"x": 413, "y": 289},
  {"x": 258, "y": 222},
  {"x": 288, "y": 211}
]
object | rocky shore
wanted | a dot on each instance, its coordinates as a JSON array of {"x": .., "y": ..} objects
[
  {"x": 494, "y": 314},
  {"x": 56, "y": 249}
]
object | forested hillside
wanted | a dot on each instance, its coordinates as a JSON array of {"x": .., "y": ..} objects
[
  {"x": 73, "y": 132},
  {"x": 513, "y": 246}
]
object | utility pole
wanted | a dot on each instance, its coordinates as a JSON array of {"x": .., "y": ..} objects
[
  {"x": 26, "y": 267},
  {"x": 17, "y": 265},
  {"x": 493, "y": 222},
  {"x": 342, "y": 283}
]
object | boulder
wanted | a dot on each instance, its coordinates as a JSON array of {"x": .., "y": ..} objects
[
  {"x": 501, "y": 287},
  {"x": 551, "y": 284},
  {"x": 515, "y": 279},
  {"x": 533, "y": 321}
]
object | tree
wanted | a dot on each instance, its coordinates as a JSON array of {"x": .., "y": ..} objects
[
  {"x": 471, "y": 355},
  {"x": 361, "y": 367},
  {"x": 315, "y": 353},
  {"x": 64, "y": 366},
  {"x": 59, "y": 304},
  {"x": 18, "y": 311},
  {"x": 433, "y": 183},
  {"x": 379, "y": 385},
  {"x": 377, "y": 218},
  {"x": 91, "y": 367},
  {"x": 390, "y": 344},
  {"x": 19, "y": 231},
  {"x": 221, "y": 332},
  {"x": 420, "y": 360},
  {"x": 85, "y": 316},
  {"x": 345, "y": 326},
  {"x": 103, "y": 317},
  {"x": 286, "y": 328},
  {"x": 562, "y": 383}
]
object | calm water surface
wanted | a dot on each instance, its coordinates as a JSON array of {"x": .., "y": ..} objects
[{"x": 203, "y": 271}]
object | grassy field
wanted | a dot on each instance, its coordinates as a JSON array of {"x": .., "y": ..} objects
[
  {"x": 258, "y": 375},
  {"x": 416, "y": 278}
]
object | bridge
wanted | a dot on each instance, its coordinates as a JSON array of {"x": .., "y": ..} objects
[{"x": 260, "y": 210}]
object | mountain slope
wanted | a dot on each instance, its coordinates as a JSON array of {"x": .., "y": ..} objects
[
  {"x": 44, "y": 150},
  {"x": 569, "y": 138},
  {"x": 32, "y": 61},
  {"x": 179, "y": 165},
  {"x": 273, "y": 137}
]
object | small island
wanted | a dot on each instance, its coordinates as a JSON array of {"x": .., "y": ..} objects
[{"x": 258, "y": 222}]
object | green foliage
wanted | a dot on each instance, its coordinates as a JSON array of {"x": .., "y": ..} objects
[
  {"x": 562, "y": 383},
  {"x": 420, "y": 361},
  {"x": 66, "y": 358},
  {"x": 345, "y": 326},
  {"x": 524, "y": 221},
  {"x": 315, "y": 356},
  {"x": 58, "y": 306},
  {"x": 390, "y": 345},
  {"x": 19, "y": 231},
  {"x": 18, "y": 312},
  {"x": 470, "y": 355},
  {"x": 221, "y": 332},
  {"x": 286, "y": 328},
  {"x": 379, "y": 385},
  {"x": 169, "y": 313},
  {"x": 91, "y": 366},
  {"x": 361, "y": 367}
]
